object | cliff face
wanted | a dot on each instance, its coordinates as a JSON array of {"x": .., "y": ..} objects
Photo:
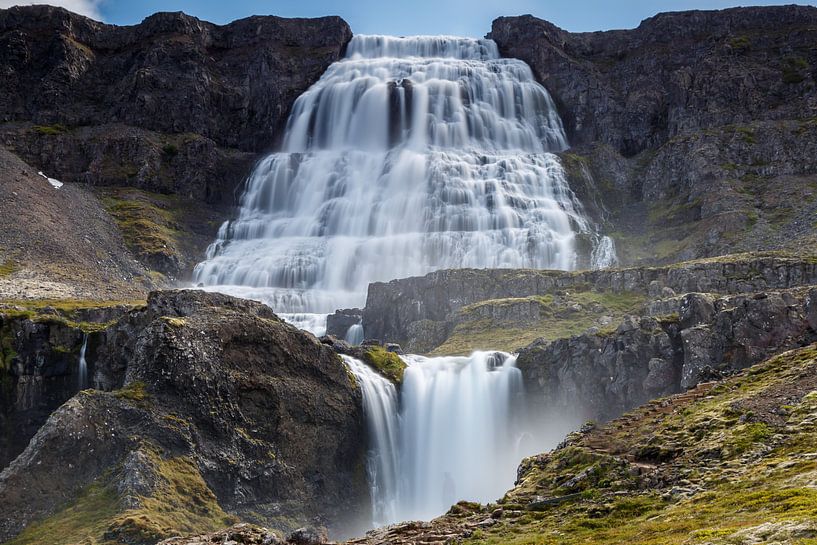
[
  {"x": 173, "y": 106},
  {"x": 212, "y": 407},
  {"x": 693, "y": 135}
]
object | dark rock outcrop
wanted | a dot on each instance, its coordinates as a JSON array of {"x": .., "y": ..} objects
[
  {"x": 260, "y": 419},
  {"x": 396, "y": 311},
  {"x": 172, "y": 73},
  {"x": 340, "y": 321},
  {"x": 707, "y": 336},
  {"x": 171, "y": 106},
  {"x": 38, "y": 373},
  {"x": 694, "y": 134},
  {"x": 676, "y": 73}
]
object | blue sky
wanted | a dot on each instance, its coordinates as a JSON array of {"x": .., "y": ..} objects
[{"x": 462, "y": 17}]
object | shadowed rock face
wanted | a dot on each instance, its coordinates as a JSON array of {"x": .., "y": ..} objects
[
  {"x": 172, "y": 106},
  {"x": 172, "y": 73},
  {"x": 675, "y": 73},
  {"x": 692, "y": 135},
  {"x": 264, "y": 414}
]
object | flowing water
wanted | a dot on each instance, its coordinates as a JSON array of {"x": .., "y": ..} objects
[
  {"x": 409, "y": 155},
  {"x": 82, "y": 377},
  {"x": 457, "y": 433}
]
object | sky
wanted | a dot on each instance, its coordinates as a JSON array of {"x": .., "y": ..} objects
[{"x": 458, "y": 17}]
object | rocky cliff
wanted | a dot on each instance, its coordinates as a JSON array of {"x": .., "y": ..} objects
[
  {"x": 423, "y": 313},
  {"x": 173, "y": 107},
  {"x": 212, "y": 409},
  {"x": 693, "y": 134}
]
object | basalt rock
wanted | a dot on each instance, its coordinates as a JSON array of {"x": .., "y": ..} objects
[
  {"x": 692, "y": 135},
  {"x": 601, "y": 376},
  {"x": 420, "y": 312},
  {"x": 250, "y": 416}
]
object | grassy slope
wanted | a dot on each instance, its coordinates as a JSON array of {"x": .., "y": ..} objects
[
  {"x": 560, "y": 316},
  {"x": 720, "y": 464}
]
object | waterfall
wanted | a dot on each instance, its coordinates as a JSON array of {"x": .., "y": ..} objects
[
  {"x": 407, "y": 156},
  {"x": 457, "y": 434},
  {"x": 354, "y": 335},
  {"x": 380, "y": 408},
  {"x": 82, "y": 380}
]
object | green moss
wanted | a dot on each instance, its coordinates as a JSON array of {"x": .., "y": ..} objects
[
  {"x": 696, "y": 435},
  {"x": 559, "y": 317},
  {"x": 794, "y": 70},
  {"x": 180, "y": 504},
  {"x": 135, "y": 391},
  {"x": 389, "y": 364},
  {"x": 740, "y": 43},
  {"x": 747, "y": 134},
  {"x": 50, "y": 130},
  {"x": 146, "y": 221},
  {"x": 174, "y": 321},
  {"x": 7, "y": 268},
  {"x": 82, "y": 521},
  {"x": 62, "y": 311}
]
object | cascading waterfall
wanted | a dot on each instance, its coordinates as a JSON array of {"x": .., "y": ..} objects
[
  {"x": 82, "y": 377},
  {"x": 457, "y": 434},
  {"x": 354, "y": 335},
  {"x": 407, "y": 156}
]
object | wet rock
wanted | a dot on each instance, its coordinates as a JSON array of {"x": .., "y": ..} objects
[{"x": 262, "y": 413}]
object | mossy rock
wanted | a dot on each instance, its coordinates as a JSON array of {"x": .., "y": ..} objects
[{"x": 388, "y": 364}]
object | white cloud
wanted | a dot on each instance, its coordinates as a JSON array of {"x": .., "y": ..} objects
[{"x": 89, "y": 8}]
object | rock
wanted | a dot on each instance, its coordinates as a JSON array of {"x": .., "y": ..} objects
[
  {"x": 420, "y": 313},
  {"x": 262, "y": 416},
  {"x": 338, "y": 324},
  {"x": 599, "y": 80},
  {"x": 308, "y": 536},
  {"x": 602, "y": 376},
  {"x": 711, "y": 153}
]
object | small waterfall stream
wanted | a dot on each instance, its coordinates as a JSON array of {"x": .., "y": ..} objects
[
  {"x": 455, "y": 434},
  {"x": 82, "y": 376}
]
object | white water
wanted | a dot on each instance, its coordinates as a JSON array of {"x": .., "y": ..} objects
[
  {"x": 409, "y": 155},
  {"x": 82, "y": 379},
  {"x": 458, "y": 433},
  {"x": 380, "y": 408},
  {"x": 354, "y": 335}
]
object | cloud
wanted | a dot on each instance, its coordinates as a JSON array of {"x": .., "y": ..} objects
[{"x": 89, "y": 8}]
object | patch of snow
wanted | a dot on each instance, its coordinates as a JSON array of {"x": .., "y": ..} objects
[{"x": 54, "y": 182}]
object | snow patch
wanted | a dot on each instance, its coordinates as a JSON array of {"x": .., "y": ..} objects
[{"x": 54, "y": 182}]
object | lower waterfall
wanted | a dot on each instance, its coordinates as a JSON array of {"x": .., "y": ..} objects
[{"x": 456, "y": 434}]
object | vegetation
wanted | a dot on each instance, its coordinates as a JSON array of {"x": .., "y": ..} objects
[
  {"x": 180, "y": 504},
  {"x": 50, "y": 130},
  {"x": 722, "y": 464},
  {"x": 146, "y": 221},
  {"x": 135, "y": 391},
  {"x": 794, "y": 69},
  {"x": 482, "y": 325},
  {"x": 7, "y": 268},
  {"x": 65, "y": 312},
  {"x": 387, "y": 363}
]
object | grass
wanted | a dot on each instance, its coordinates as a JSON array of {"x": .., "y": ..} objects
[
  {"x": 794, "y": 70},
  {"x": 61, "y": 311},
  {"x": 180, "y": 504},
  {"x": 712, "y": 431},
  {"x": 147, "y": 221},
  {"x": 50, "y": 130},
  {"x": 558, "y": 317},
  {"x": 7, "y": 268}
]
